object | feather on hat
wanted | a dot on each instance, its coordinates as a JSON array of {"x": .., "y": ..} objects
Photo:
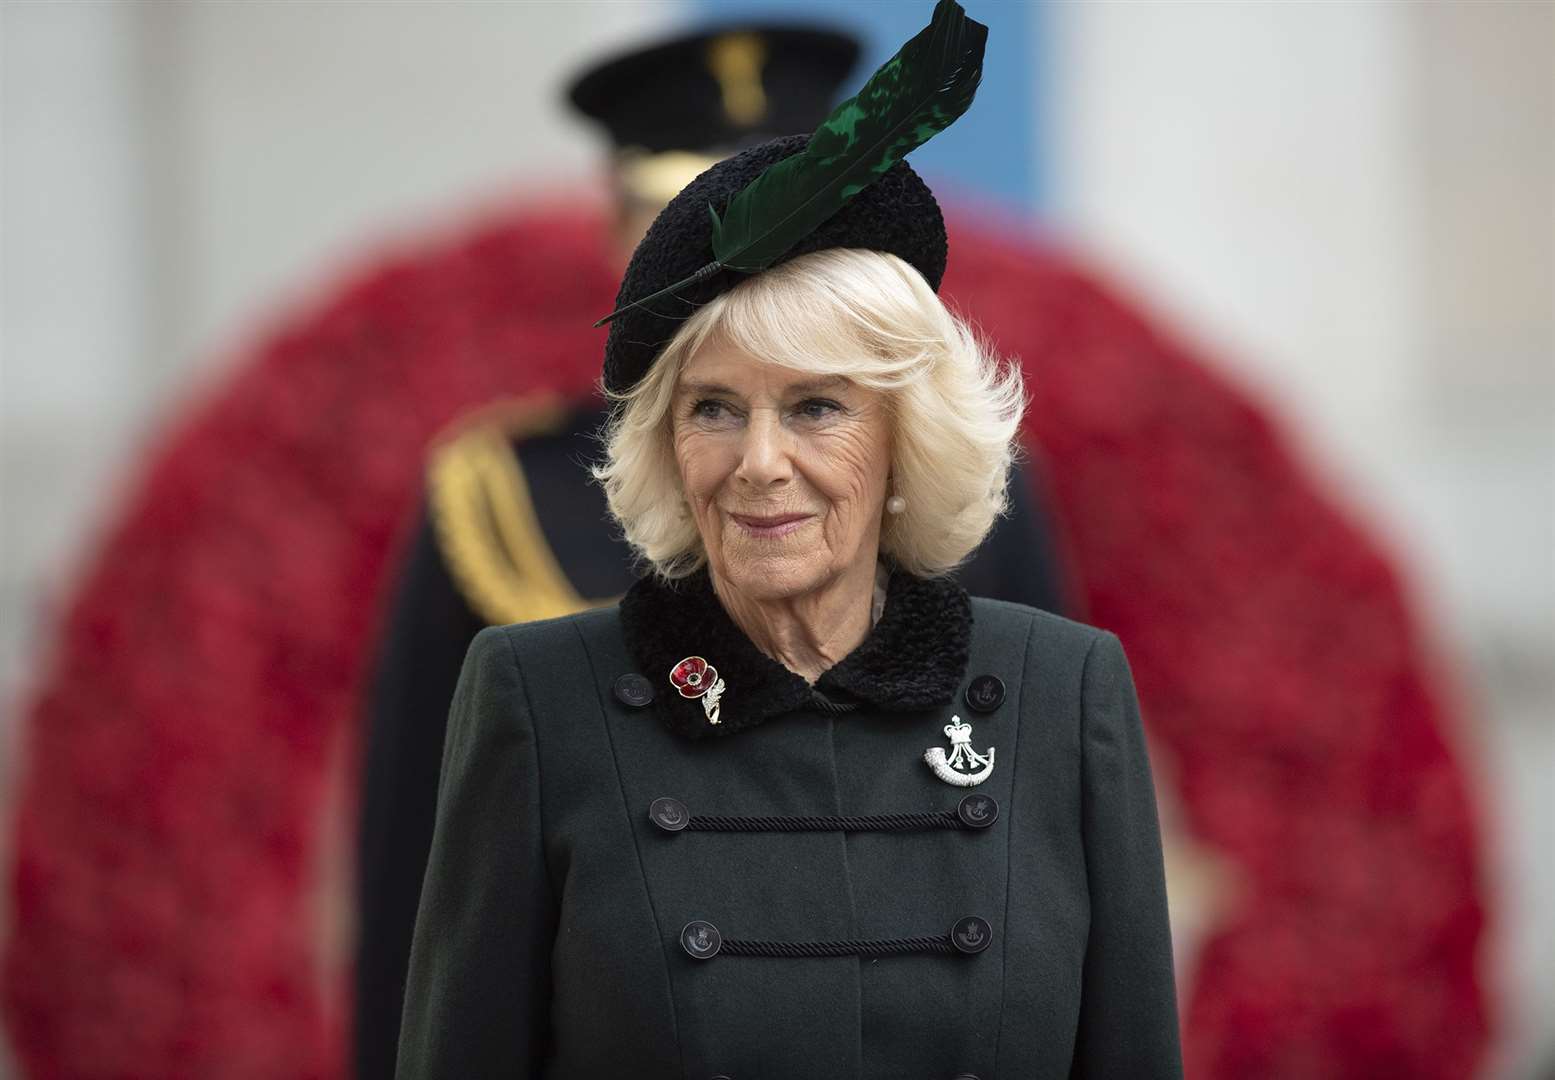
[{"x": 845, "y": 185}]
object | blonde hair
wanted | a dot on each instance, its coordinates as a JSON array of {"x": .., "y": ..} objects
[{"x": 872, "y": 318}]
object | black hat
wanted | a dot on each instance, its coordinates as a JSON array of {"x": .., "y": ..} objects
[
  {"x": 896, "y": 214},
  {"x": 718, "y": 89},
  {"x": 845, "y": 185}
]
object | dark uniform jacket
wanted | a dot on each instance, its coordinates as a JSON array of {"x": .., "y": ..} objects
[
  {"x": 515, "y": 532},
  {"x": 618, "y": 887}
]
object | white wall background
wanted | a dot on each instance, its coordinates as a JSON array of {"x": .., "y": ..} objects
[{"x": 1350, "y": 202}]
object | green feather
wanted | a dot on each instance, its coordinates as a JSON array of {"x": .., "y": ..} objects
[{"x": 915, "y": 95}]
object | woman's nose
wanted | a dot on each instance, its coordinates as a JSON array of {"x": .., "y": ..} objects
[{"x": 764, "y": 451}]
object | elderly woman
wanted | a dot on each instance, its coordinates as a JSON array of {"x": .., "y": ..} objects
[{"x": 797, "y": 807}]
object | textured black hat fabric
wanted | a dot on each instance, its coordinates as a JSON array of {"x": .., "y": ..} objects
[
  {"x": 669, "y": 96},
  {"x": 896, "y": 214}
]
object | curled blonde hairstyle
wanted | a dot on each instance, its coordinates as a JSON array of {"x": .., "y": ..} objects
[{"x": 955, "y": 408}]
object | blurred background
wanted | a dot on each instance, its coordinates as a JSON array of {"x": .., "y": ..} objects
[{"x": 1347, "y": 208}]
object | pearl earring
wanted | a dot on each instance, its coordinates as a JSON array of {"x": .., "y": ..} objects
[{"x": 895, "y": 504}]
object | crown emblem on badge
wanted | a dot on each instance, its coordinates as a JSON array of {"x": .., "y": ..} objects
[{"x": 963, "y": 766}]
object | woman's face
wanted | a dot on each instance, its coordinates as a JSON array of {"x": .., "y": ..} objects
[{"x": 785, "y": 472}]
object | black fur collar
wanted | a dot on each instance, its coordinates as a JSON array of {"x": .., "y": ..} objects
[{"x": 914, "y": 657}]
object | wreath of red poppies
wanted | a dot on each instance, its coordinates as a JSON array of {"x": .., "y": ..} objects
[{"x": 179, "y": 742}]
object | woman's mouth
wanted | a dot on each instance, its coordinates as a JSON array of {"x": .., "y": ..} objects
[{"x": 770, "y": 528}]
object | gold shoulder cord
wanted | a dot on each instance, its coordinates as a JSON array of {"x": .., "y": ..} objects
[{"x": 484, "y": 518}]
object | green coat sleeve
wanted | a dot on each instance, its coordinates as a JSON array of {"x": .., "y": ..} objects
[
  {"x": 478, "y": 990},
  {"x": 1128, "y": 1005}
]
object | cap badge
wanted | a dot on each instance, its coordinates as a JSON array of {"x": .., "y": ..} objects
[
  {"x": 694, "y": 677},
  {"x": 963, "y": 767},
  {"x": 736, "y": 60}
]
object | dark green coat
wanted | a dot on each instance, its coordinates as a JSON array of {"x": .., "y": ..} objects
[
  {"x": 468, "y": 569},
  {"x": 549, "y": 938}
]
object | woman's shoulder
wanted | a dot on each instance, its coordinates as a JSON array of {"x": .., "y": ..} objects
[
  {"x": 1043, "y": 632},
  {"x": 546, "y": 637},
  {"x": 563, "y": 627},
  {"x": 1068, "y": 658}
]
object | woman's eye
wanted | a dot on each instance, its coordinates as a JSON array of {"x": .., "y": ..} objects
[
  {"x": 817, "y": 408},
  {"x": 709, "y": 409}
]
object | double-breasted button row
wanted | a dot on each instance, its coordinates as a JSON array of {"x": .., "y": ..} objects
[
  {"x": 978, "y": 811},
  {"x": 669, "y": 814},
  {"x": 633, "y": 690},
  {"x": 974, "y": 811},
  {"x": 970, "y": 935},
  {"x": 701, "y": 939},
  {"x": 985, "y": 693}
]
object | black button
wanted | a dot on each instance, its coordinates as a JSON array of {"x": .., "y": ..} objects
[
  {"x": 970, "y": 934},
  {"x": 669, "y": 814},
  {"x": 634, "y": 689},
  {"x": 978, "y": 811},
  {"x": 701, "y": 940},
  {"x": 958, "y": 1076},
  {"x": 985, "y": 693}
]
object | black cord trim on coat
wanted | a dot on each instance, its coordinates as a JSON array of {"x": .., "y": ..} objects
[
  {"x": 939, "y": 943},
  {"x": 940, "y": 819},
  {"x": 969, "y": 936}
]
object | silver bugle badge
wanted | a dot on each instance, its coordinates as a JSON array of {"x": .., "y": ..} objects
[{"x": 963, "y": 767}]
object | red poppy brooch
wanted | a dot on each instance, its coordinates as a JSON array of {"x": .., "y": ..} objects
[{"x": 696, "y": 678}]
